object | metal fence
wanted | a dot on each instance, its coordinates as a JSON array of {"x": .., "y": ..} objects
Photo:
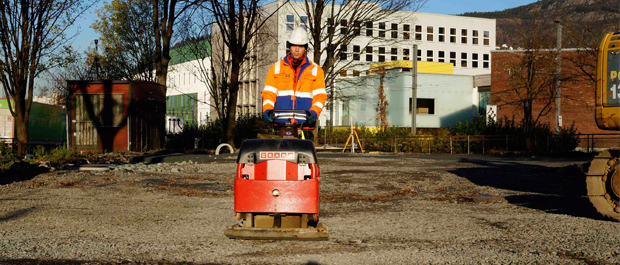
[{"x": 478, "y": 144}]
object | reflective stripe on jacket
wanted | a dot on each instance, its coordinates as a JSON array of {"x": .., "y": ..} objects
[{"x": 285, "y": 90}]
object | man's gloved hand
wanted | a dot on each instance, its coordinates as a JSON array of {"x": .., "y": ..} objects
[
  {"x": 311, "y": 119},
  {"x": 268, "y": 116}
]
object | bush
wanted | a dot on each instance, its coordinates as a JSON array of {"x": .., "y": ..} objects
[
  {"x": 209, "y": 136},
  {"x": 7, "y": 157}
]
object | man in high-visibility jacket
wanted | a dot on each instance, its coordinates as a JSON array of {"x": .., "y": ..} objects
[{"x": 294, "y": 83}]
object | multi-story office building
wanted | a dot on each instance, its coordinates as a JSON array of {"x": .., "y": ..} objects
[
  {"x": 466, "y": 42},
  {"x": 187, "y": 94}
]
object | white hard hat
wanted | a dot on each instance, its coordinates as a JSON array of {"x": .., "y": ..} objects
[{"x": 299, "y": 36}]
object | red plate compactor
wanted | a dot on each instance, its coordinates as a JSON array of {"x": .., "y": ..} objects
[{"x": 277, "y": 186}]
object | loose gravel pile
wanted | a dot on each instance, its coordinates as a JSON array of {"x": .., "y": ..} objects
[{"x": 380, "y": 209}]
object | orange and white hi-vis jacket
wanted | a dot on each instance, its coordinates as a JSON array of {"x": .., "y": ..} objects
[{"x": 302, "y": 90}]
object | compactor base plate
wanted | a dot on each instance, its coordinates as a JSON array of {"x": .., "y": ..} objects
[{"x": 318, "y": 233}]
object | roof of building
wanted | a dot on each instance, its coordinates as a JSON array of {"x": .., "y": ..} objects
[{"x": 190, "y": 52}]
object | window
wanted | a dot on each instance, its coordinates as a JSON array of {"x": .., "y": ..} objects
[
  {"x": 381, "y": 50},
  {"x": 452, "y": 55},
  {"x": 343, "y": 73},
  {"x": 369, "y": 32},
  {"x": 486, "y": 38},
  {"x": 394, "y": 58},
  {"x": 343, "y": 30},
  {"x": 418, "y": 36},
  {"x": 406, "y": 27},
  {"x": 356, "y": 52},
  {"x": 441, "y": 60},
  {"x": 368, "y": 49},
  {"x": 429, "y": 37},
  {"x": 406, "y": 54},
  {"x": 303, "y": 19},
  {"x": 453, "y": 62},
  {"x": 356, "y": 73},
  {"x": 343, "y": 53},
  {"x": 452, "y": 39},
  {"x": 381, "y": 25},
  {"x": 423, "y": 106},
  {"x": 464, "y": 40},
  {"x": 356, "y": 27},
  {"x": 343, "y": 26},
  {"x": 429, "y": 53},
  {"x": 381, "y": 58},
  {"x": 429, "y": 29},
  {"x": 463, "y": 32},
  {"x": 442, "y": 36},
  {"x": 485, "y": 63},
  {"x": 405, "y": 35},
  {"x": 419, "y": 53},
  {"x": 343, "y": 23},
  {"x": 290, "y": 22},
  {"x": 463, "y": 63},
  {"x": 382, "y": 34},
  {"x": 474, "y": 41},
  {"x": 452, "y": 31},
  {"x": 418, "y": 28},
  {"x": 463, "y": 56},
  {"x": 394, "y": 51},
  {"x": 394, "y": 26},
  {"x": 368, "y": 25},
  {"x": 369, "y": 57},
  {"x": 441, "y": 54},
  {"x": 474, "y": 33},
  {"x": 474, "y": 60},
  {"x": 394, "y": 34}
]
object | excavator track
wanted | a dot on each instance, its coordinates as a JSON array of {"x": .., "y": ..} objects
[{"x": 603, "y": 183}]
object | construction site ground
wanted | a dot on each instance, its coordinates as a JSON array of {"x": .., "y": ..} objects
[{"x": 380, "y": 209}]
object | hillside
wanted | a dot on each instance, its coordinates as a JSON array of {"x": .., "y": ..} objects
[{"x": 599, "y": 15}]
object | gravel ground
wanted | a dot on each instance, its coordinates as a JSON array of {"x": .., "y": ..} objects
[{"x": 380, "y": 209}]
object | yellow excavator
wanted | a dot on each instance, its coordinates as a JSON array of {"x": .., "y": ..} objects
[{"x": 603, "y": 178}]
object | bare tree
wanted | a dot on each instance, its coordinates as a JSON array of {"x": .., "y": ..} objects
[
  {"x": 32, "y": 40},
  {"x": 334, "y": 24},
  {"x": 236, "y": 26},
  {"x": 55, "y": 85},
  {"x": 530, "y": 75},
  {"x": 164, "y": 16}
]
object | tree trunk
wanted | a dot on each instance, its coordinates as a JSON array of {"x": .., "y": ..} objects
[
  {"x": 21, "y": 135},
  {"x": 233, "y": 91}
]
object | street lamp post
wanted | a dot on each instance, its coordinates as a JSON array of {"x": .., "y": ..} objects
[{"x": 558, "y": 82}]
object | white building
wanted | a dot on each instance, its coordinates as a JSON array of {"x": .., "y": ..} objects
[
  {"x": 187, "y": 94},
  {"x": 466, "y": 42}
]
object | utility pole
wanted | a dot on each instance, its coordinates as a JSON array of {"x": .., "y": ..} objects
[
  {"x": 414, "y": 87},
  {"x": 558, "y": 82}
]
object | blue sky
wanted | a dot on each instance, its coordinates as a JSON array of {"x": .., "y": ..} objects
[{"x": 446, "y": 7}]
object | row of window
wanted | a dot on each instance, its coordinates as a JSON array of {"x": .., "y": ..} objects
[
  {"x": 475, "y": 37},
  {"x": 393, "y": 55}
]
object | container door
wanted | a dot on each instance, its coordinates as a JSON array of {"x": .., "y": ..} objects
[{"x": 85, "y": 134}]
